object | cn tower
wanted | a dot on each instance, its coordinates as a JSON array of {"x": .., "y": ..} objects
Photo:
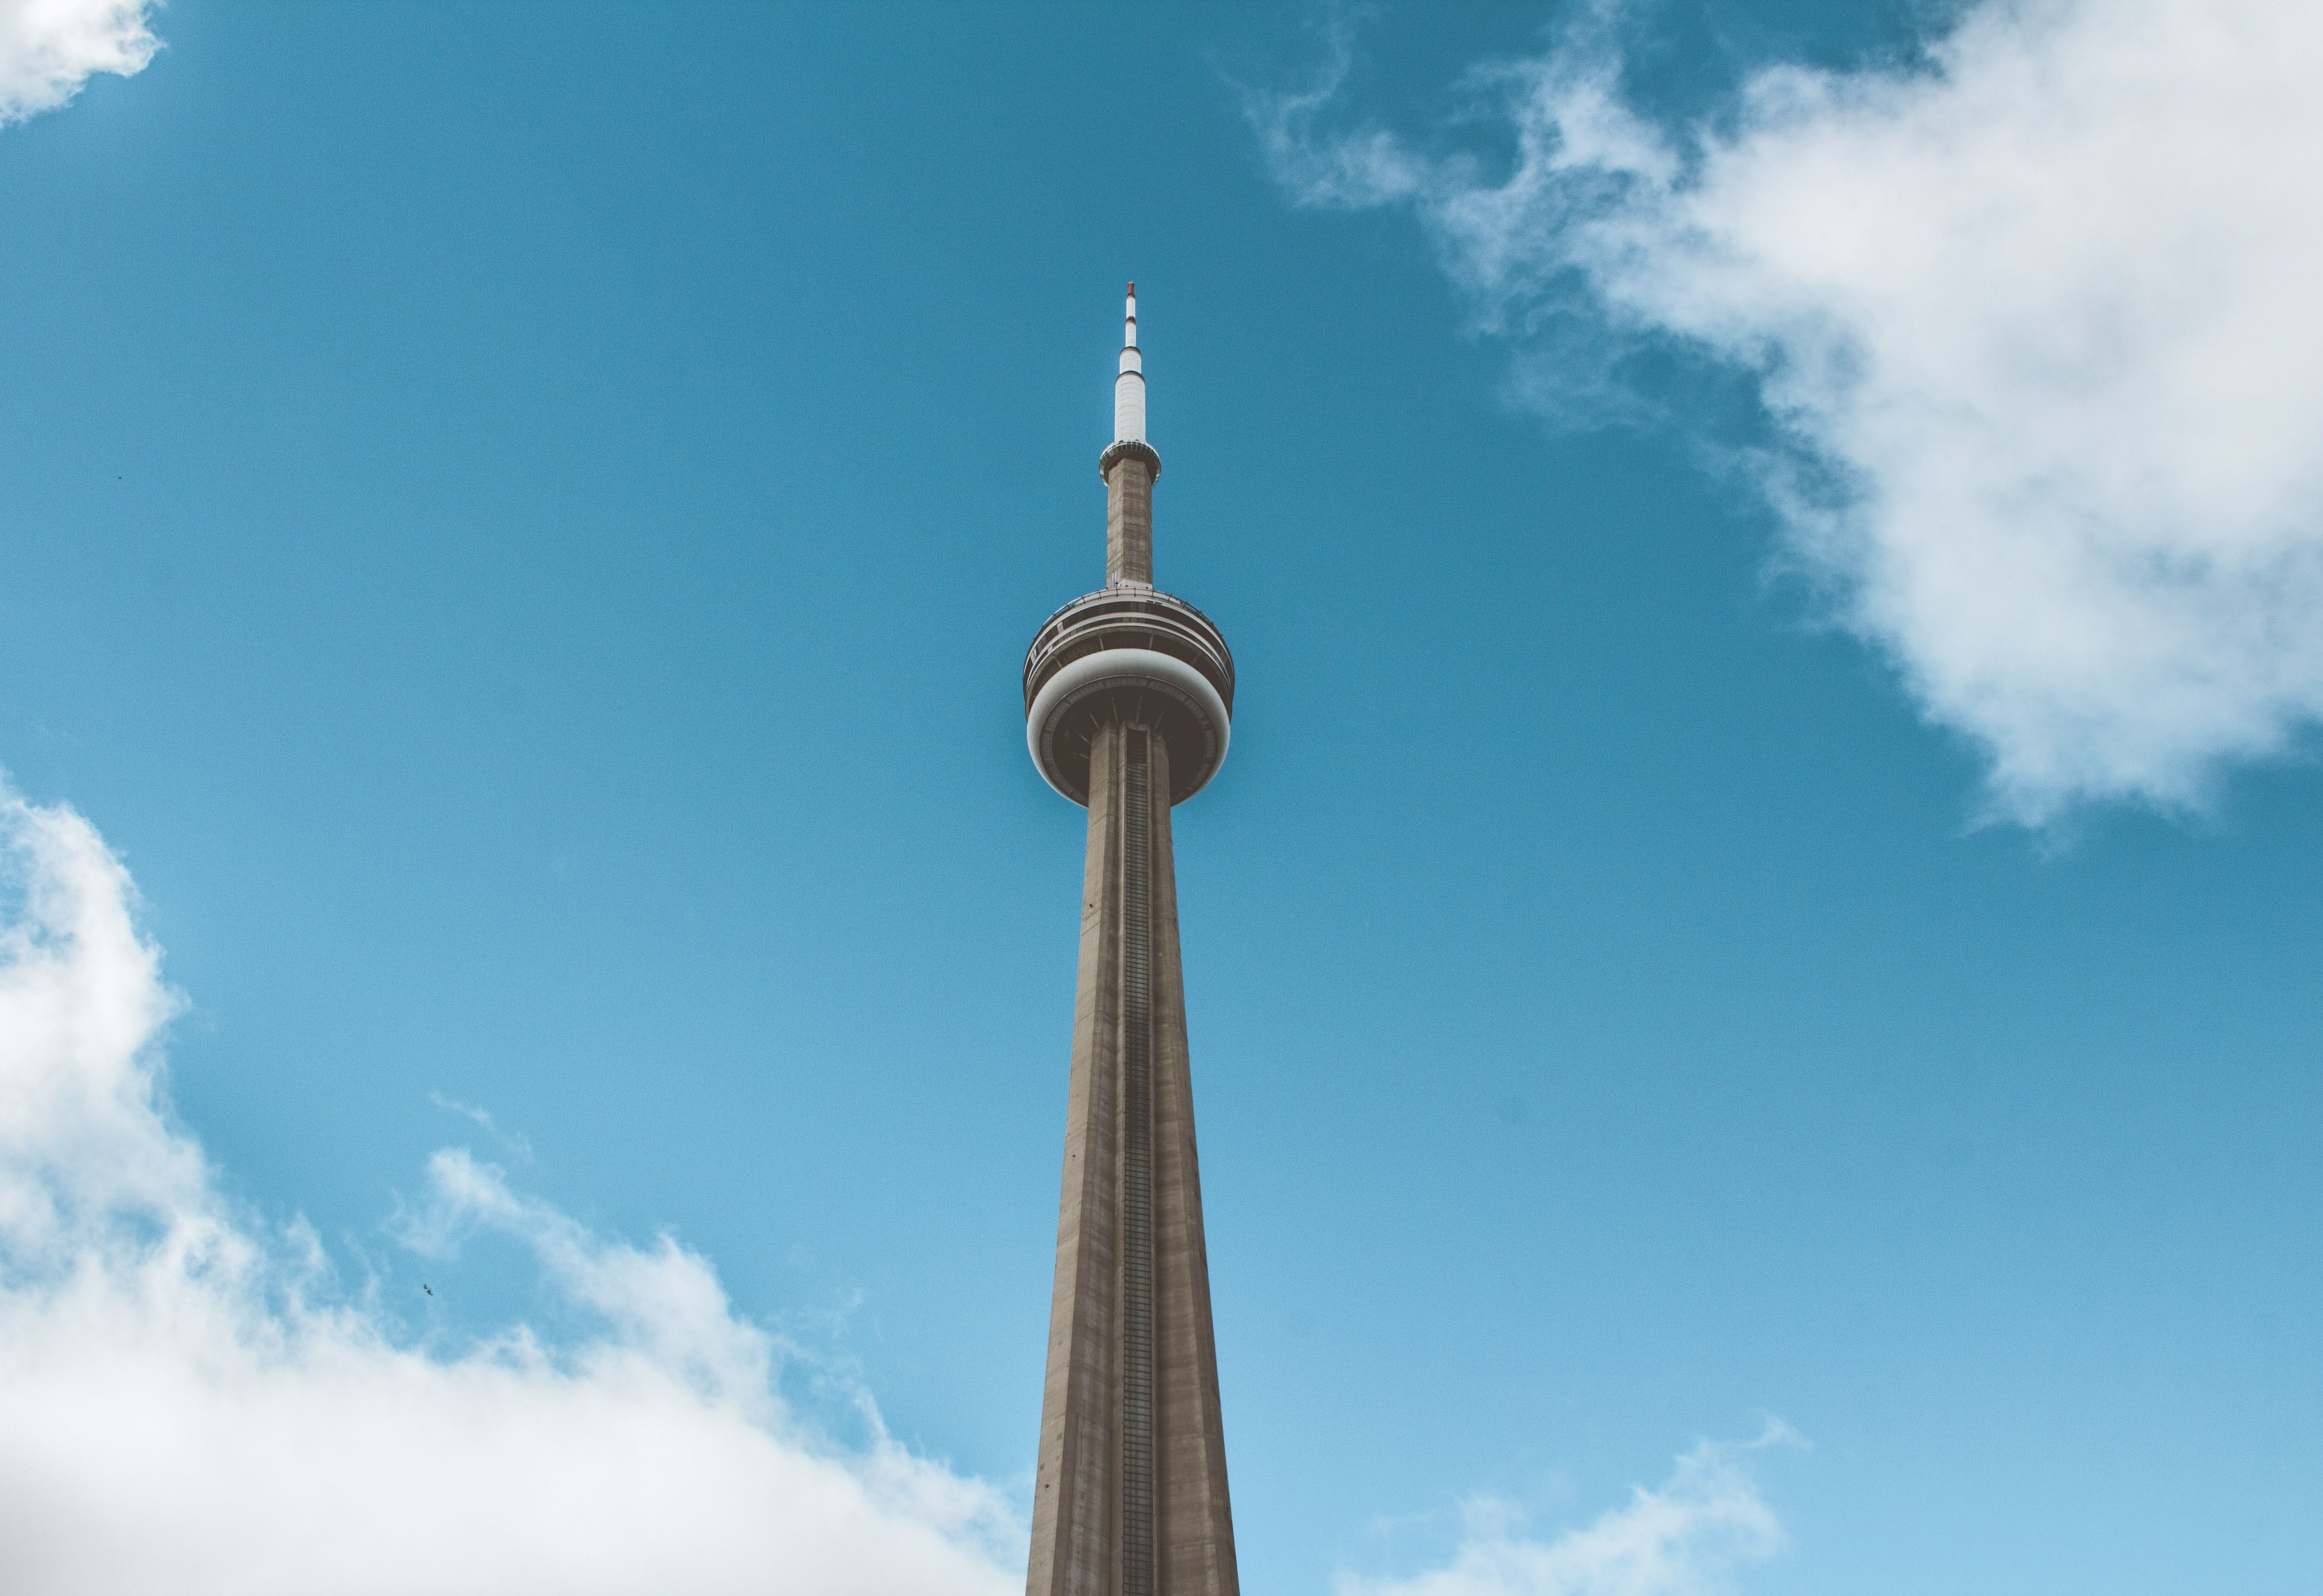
[{"x": 1127, "y": 696}]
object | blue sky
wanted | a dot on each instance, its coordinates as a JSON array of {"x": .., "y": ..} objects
[{"x": 1765, "y": 895}]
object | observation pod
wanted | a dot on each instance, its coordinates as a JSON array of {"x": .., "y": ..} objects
[{"x": 1128, "y": 656}]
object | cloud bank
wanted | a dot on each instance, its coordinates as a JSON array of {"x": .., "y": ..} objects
[
  {"x": 188, "y": 1404},
  {"x": 2033, "y": 321},
  {"x": 1687, "y": 1538},
  {"x": 49, "y": 47}
]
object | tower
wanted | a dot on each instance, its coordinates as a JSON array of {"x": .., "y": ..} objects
[{"x": 1128, "y": 695}]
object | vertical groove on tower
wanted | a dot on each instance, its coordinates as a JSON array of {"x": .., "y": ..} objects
[{"x": 1137, "y": 1172}]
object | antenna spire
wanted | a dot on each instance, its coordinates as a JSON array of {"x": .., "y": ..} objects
[{"x": 1129, "y": 387}]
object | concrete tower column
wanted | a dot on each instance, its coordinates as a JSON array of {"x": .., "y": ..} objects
[
  {"x": 1128, "y": 695},
  {"x": 1129, "y": 519}
]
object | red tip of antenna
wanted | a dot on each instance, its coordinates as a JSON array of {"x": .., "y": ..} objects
[{"x": 1133, "y": 291}]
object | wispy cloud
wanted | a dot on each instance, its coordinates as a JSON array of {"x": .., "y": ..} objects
[
  {"x": 2033, "y": 318},
  {"x": 1687, "y": 1538},
  {"x": 187, "y": 1403},
  {"x": 518, "y": 1145},
  {"x": 49, "y": 47}
]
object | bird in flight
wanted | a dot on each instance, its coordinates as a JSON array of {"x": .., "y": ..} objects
[{"x": 424, "y": 1285}]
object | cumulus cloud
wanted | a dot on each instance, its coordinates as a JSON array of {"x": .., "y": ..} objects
[
  {"x": 48, "y": 49},
  {"x": 189, "y": 1403},
  {"x": 1687, "y": 1538},
  {"x": 2032, "y": 317}
]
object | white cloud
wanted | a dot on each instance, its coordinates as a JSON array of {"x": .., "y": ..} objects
[
  {"x": 48, "y": 49},
  {"x": 2036, "y": 319},
  {"x": 188, "y": 1406},
  {"x": 1685, "y": 1539},
  {"x": 516, "y": 1142}
]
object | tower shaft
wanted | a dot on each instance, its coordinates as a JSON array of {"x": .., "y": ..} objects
[
  {"x": 1129, "y": 519},
  {"x": 1128, "y": 697},
  {"x": 1130, "y": 1498}
]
